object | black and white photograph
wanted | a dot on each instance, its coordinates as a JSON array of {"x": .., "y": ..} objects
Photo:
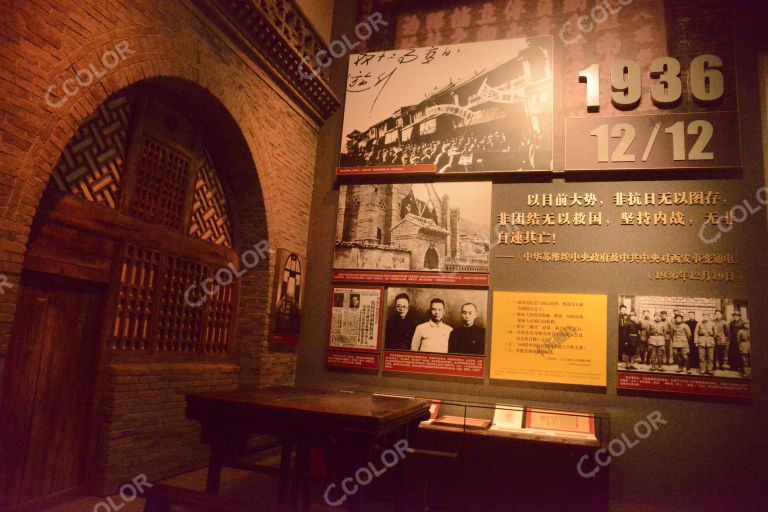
[
  {"x": 441, "y": 227},
  {"x": 288, "y": 297},
  {"x": 465, "y": 108},
  {"x": 707, "y": 337},
  {"x": 435, "y": 320}
]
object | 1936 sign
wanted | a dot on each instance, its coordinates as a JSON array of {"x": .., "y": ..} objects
[{"x": 706, "y": 138}]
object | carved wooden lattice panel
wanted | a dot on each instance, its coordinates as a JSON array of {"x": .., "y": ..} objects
[
  {"x": 179, "y": 325},
  {"x": 209, "y": 218},
  {"x": 93, "y": 162},
  {"x": 153, "y": 315},
  {"x": 160, "y": 185},
  {"x": 221, "y": 312},
  {"x": 135, "y": 299}
]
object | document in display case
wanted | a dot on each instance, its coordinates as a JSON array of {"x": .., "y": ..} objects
[
  {"x": 509, "y": 417},
  {"x": 560, "y": 423},
  {"x": 461, "y": 421}
]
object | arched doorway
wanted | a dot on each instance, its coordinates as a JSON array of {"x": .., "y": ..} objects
[
  {"x": 431, "y": 259},
  {"x": 134, "y": 217},
  {"x": 288, "y": 307}
]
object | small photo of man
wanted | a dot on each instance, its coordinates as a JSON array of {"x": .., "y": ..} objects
[
  {"x": 338, "y": 300},
  {"x": 467, "y": 338},
  {"x": 354, "y": 300},
  {"x": 745, "y": 348},
  {"x": 432, "y": 335},
  {"x": 400, "y": 325}
]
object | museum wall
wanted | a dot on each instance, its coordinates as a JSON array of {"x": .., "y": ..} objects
[{"x": 708, "y": 455}]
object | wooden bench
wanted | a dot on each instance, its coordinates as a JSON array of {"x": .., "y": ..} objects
[{"x": 162, "y": 498}]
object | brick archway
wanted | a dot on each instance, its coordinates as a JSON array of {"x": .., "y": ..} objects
[
  {"x": 253, "y": 116},
  {"x": 108, "y": 150},
  {"x": 250, "y": 98}
]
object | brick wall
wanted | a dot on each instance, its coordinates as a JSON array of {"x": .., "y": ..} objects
[
  {"x": 48, "y": 41},
  {"x": 143, "y": 428},
  {"x": 45, "y": 43}
]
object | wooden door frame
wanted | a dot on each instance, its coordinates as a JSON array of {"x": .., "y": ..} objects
[{"x": 85, "y": 470}]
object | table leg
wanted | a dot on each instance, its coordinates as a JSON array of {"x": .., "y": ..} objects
[
  {"x": 400, "y": 476},
  {"x": 213, "y": 480},
  {"x": 399, "y": 499},
  {"x": 285, "y": 473},
  {"x": 306, "y": 478},
  {"x": 358, "y": 456},
  {"x": 300, "y": 479},
  {"x": 294, "y": 484}
]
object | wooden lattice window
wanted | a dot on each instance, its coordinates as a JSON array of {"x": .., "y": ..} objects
[
  {"x": 221, "y": 313},
  {"x": 179, "y": 326},
  {"x": 145, "y": 159},
  {"x": 161, "y": 185},
  {"x": 157, "y": 313},
  {"x": 135, "y": 299}
]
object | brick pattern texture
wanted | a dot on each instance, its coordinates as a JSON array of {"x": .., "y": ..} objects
[
  {"x": 144, "y": 429},
  {"x": 45, "y": 44}
]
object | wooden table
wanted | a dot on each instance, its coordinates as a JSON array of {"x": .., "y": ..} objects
[{"x": 347, "y": 425}]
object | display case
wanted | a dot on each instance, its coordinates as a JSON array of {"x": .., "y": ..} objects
[{"x": 557, "y": 424}]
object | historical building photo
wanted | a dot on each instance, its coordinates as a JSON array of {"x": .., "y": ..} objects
[{"x": 418, "y": 227}]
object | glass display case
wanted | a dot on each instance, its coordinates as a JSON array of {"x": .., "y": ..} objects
[
  {"x": 521, "y": 421},
  {"x": 556, "y": 423}
]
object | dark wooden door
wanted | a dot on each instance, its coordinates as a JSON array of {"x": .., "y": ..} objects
[{"x": 48, "y": 388}]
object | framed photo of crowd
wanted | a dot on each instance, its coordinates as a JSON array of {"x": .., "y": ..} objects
[
  {"x": 685, "y": 345},
  {"x": 484, "y": 107}
]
